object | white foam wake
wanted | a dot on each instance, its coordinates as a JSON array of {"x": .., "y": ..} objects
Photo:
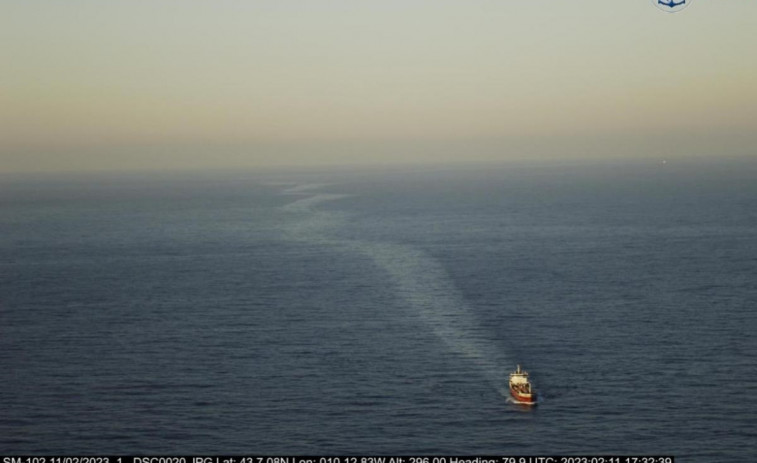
[
  {"x": 420, "y": 280},
  {"x": 306, "y": 204},
  {"x": 304, "y": 188},
  {"x": 426, "y": 287}
]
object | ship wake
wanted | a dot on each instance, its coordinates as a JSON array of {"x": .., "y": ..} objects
[{"x": 420, "y": 281}]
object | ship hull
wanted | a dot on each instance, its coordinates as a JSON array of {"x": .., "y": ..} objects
[{"x": 523, "y": 398}]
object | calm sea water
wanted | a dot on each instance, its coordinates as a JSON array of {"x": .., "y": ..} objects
[{"x": 381, "y": 311}]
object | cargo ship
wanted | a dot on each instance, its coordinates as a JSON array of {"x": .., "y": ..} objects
[{"x": 520, "y": 387}]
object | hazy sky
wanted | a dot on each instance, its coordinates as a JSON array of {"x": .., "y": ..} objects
[{"x": 133, "y": 84}]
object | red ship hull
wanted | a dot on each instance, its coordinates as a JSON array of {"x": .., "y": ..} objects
[{"x": 523, "y": 398}]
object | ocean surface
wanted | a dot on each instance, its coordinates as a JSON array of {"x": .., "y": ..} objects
[{"x": 380, "y": 311}]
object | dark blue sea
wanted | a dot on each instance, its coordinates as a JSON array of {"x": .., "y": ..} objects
[{"x": 379, "y": 311}]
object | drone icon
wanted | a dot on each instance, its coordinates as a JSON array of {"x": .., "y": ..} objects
[{"x": 671, "y": 3}]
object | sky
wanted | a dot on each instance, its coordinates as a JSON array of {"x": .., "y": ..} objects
[{"x": 223, "y": 84}]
